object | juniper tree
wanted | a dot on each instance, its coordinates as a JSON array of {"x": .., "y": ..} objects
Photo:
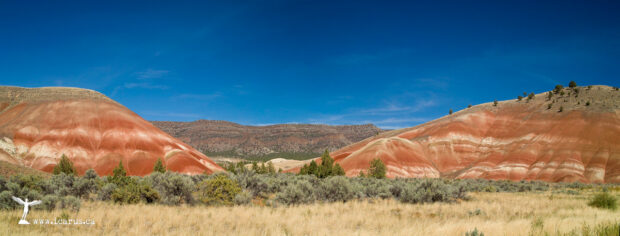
[
  {"x": 572, "y": 84},
  {"x": 159, "y": 166},
  {"x": 377, "y": 169},
  {"x": 64, "y": 166}
]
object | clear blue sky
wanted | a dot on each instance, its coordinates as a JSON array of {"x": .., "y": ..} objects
[{"x": 394, "y": 64}]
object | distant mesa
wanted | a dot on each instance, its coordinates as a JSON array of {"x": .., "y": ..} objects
[
  {"x": 39, "y": 125},
  {"x": 291, "y": 141},
  {"x": 571, "y": 135}
]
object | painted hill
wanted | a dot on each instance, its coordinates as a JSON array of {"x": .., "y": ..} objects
[
  {"x": 516, "y": 140},
  {"x": 227, "y": 139},
  {"x": 38, "y": 125}
]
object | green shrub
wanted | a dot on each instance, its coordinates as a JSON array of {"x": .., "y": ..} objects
[
  {"x": 519, "y": 98},
  {"x": 49, "y": 202},
  {"x": 64, "y": 166},
  {"x": 105, "y": 193},
  {"x": 531, "y": 96},
  {"x": 296, "y": 193},
  {"x": 604, "y": 200},
  {"x": 173, "y": 188},
  {"x": 70, "y": 202},
  {"x": 134, "y": 192},
  {"x": 558, "y": 88},
  {"x": 336, "y": 189},
  {"x": 218, "y": 190},
  {"x": 450, "y": 111},
  {"x": 243, "y": 198},
  {"x": 494, "y": 103},
  {"x": 475, "y": 232},
  {"x": 6, "y": 202}
]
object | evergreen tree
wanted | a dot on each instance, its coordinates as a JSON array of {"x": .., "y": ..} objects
[
  {"x": 313, "y": 168},
  {"x": 303, "y": 170},
  {"x": 327, "y": 163},
  {"x": 377, "y": 169},
  {"x": 159, "y": 166},
  {"x": 337, "y": 170},
  {"x": 270, "y": 168},
  {"x": 64, "y": 166},
  {"x": 255, "y": 167},
  {"x": 119, "y": 175},
  {"x": 572, "y": 84}
]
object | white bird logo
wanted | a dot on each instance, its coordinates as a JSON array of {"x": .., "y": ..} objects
[{"x": 26, "y": 205}]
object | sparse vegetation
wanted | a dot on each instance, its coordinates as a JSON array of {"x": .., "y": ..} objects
[
  {"x": 495, "y": 103},
  {"x": 561, "y": 109},
  {"x": 549, "y": 106}
]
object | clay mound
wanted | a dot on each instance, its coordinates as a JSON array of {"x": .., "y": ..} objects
[
  {"x": 515, "y": 140},
  {"x": 38, "y": 125}
]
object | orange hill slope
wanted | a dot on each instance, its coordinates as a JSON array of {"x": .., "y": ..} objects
[
  {"x": 516, "y": 140},
  {"x": 38, "y": 125}
]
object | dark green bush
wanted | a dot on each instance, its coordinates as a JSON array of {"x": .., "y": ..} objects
[
  {"x": 135, "y": 192},
  {"x": 604, "y": 200}
]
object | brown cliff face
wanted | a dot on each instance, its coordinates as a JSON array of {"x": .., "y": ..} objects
[
  {"x": 38, "y": 125},
  {"x": 246, "y": 141},
  {"x": 516, "y": 140}
]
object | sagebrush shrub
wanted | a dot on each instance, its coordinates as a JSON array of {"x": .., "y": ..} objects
[
  {"x": 336, "y": 189},
  {"x": 295, "y": 193},
  {"x": 218, "y": 190},
  {"x": 173, "y": 188}
]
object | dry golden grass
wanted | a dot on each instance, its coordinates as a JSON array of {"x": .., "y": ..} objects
[{"x": 500, "y": 214}]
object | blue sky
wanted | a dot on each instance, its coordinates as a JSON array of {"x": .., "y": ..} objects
[{"x": 390, "y": 63}]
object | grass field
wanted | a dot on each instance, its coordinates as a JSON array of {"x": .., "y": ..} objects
[{"x": 491, "y": 213}]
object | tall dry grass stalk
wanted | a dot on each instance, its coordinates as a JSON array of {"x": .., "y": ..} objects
[{"x": 491, "y": 213}]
